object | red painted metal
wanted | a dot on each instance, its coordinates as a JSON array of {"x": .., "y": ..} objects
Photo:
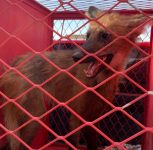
[
  {"x": 78, "y": 15},
  {"x": 30, "y": 30},
  {"x": 34, "y": 36},
  {"x": 148, "y": 138}
]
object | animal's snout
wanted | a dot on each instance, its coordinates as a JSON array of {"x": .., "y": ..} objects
[{"x": 78, "y": 55}]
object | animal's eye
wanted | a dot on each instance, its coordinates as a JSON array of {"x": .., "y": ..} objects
[
  {"x": 88, "y": 35},
  {"x": 103, "y": 35}
]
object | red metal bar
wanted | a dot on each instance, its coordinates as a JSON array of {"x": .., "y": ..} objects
[
  {"x": 67, "y": 15},
  {"x": 52, "y": 26},
  {"x": 148, "y": 137},
  {"x": 77, "y": 15}
]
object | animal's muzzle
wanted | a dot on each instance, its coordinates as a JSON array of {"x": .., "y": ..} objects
[{"x": 79, "y": 55}]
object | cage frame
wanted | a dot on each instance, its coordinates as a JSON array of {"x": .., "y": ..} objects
[{"x": 148, "y": 139}]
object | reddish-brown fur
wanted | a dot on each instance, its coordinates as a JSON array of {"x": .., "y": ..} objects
[{"x": 88, "y": 105}]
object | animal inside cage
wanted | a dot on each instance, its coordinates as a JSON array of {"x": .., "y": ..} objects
[{"x": 76, "y": 74}]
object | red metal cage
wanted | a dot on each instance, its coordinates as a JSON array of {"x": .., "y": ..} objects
[{"x": 39, "y": 26}]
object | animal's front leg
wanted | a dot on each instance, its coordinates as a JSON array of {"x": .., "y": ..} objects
[
  {"x": 75, "y": 137},
  {"x": 91, "y": 137}
]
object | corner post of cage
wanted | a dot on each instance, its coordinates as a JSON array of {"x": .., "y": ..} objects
[
  {"x": 148, "y": 114},
  {"x": 51, "y": 22}
]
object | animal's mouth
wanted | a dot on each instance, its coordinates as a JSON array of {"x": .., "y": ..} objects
[{"x": 94, "y": 66}]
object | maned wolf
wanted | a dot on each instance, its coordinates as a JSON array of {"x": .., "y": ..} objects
[{"x": 90, "y": 71}]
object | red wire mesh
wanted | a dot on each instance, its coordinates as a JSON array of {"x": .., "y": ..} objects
[{"x": 122, "y": 123}]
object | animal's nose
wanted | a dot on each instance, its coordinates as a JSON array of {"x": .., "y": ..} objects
[{"x": 77, "y": 55}]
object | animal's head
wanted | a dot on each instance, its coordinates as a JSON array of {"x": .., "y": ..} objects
[{"x": 99, "y": 35}]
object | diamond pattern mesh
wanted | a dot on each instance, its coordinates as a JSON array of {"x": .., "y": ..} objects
[{"x": 42, "y": 93}]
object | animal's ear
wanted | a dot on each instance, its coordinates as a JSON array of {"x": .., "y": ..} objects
[
  {"x": 93, "y": 12},
  {"x": 136, "y": 20}
]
